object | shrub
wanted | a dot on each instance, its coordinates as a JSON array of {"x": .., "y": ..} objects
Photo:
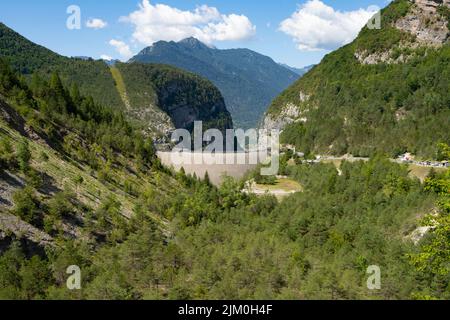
[
  {"x": 23, "y": 155},
  {"x": 26, "y": 206},
  {"x": 7, "y": 156},
  {"x": 61, "y": 204}
]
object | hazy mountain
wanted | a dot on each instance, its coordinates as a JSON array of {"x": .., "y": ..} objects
[
  {"x": 248, "y": 80},
  {"x": 111, "y": 62},
  {"x": 299, "y": 71},
  {"x": 388, "y": 91}
]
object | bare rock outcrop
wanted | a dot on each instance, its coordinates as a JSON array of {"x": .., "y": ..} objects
[
  {"x": 10, "y": 224},
  {"x": 289, "y": 114},
  {"x": 425, "y": 23},
  {"x": 12, "y": 118}
]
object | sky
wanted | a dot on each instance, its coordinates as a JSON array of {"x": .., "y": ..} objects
[{"x": 295, "y": 32}]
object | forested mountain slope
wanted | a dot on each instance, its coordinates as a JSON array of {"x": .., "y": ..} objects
[
  {"x": 80, "y": 185},
  {"x": 92, "y": 77},
  {"x": 248, "y": 80},
  {"x": 141, "y": 95},
  {"x": 183, "y": 96},
  {"x": 387, "y": 91}
]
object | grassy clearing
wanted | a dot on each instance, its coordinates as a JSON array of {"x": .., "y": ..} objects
[
  {"x": 287, "y": 185},
  {"x": 422, "y": 172},
  {"x": 337, "y": 163},
  {"x": 120, "y": 85}
]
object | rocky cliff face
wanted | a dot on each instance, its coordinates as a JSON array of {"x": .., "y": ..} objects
[
  {"x": 425, "y": 23},
  {"x": 289, "y": 114},
  {"x": 184, "y": 112}
]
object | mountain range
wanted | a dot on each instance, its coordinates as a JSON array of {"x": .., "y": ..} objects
[
  {"x": 248, "y": 80},
  {"x": 158, "y": 97}
]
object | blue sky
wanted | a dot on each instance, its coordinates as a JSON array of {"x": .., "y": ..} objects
[{"x": 296, "y": 32}]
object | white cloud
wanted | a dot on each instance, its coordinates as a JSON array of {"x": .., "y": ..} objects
[
  {"x": 106, "y": 57},
  {"x": 122, "y": 48},
  {"x": 96, "y": 24},
  {"x": 162, "y": 22},
  {"x": 316, "y": 26}
]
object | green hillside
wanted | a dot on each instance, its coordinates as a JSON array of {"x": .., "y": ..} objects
[
  {"x": 146, "y": 104},
  {"x": 388, "y": 91},
  {"x": 92, "y": 77}
]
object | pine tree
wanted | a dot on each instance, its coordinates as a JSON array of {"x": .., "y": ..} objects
[
  {"x": 207, "y": 179},
  {"x": 36, "y": 84},
  {"x": 24, "y": 155},
  {"x": 7, "y": 156},
  {"x": 75, "y": 93},
  {"x": 56, "y": 84}
]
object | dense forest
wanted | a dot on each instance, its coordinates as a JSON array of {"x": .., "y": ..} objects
[
  {"x": 385, "y": 92},
  {"x": 138, "y": 230}
]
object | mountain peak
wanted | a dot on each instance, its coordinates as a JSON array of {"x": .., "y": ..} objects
[
  {"x": 190, "y": 40},
  {"x": 193, "y": 43},
  {"x": 190, "y": 43}
]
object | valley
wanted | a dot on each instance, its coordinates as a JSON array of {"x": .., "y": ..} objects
[
  {"x": 90, "y": 179},
  {"x": 248, "y": 80}
]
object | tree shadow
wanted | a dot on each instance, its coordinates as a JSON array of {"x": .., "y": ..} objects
[
  {"x": 48, "y": 186},
  {"x": 11, "y": 180}
]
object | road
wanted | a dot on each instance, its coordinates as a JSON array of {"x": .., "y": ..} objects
[{"x": 425, "y": 164}]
